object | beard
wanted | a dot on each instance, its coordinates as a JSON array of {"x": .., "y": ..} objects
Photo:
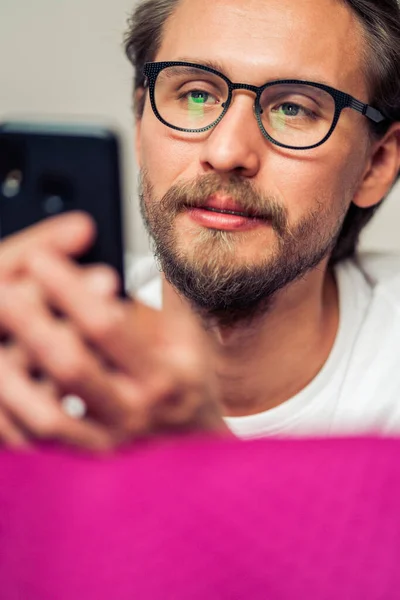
[{"x": 221, "y": 288}]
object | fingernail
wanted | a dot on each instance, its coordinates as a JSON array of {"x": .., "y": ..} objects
[{"x": 101, "y": 283}]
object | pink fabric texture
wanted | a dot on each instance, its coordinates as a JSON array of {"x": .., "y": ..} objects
[{"x": 203, "y": 519}]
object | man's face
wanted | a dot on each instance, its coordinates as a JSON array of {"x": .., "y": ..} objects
[{"x": 226, "y": 264}]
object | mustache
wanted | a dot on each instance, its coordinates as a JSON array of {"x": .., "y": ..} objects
[{"x": 196, "y": 192}]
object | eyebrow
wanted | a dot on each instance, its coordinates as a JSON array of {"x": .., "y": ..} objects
[
  {"x": 218, "y": 66},
  {"x": 211, "y": 64}
]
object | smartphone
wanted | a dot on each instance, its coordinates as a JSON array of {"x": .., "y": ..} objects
[{"x": 51, "y": 169}]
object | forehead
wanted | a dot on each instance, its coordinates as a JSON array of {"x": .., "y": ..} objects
[{"x": 258, "y": 40}]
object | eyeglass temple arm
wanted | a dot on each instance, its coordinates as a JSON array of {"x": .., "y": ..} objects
[{"x": 367, "y": 110}]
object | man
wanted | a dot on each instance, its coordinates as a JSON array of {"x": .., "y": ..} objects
[{"x": 267, "y": 134}]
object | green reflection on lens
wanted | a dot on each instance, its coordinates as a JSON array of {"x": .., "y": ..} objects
[
  {"x": 197, "y": 99},
  {"x": 196, "y": 107},
  {"x": 278, "y": 121}
]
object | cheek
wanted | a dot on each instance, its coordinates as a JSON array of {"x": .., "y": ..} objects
[
  {"x": 165, "y": 159},
  {"x": 305, "y": 181}
]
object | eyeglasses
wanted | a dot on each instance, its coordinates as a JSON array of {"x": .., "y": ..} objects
[{"x": 291, "y": 113}]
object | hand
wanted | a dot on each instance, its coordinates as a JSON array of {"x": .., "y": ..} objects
[{"x": 137, "y": 373}]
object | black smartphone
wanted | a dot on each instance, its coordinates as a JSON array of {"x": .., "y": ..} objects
[{"x": 50, "y": 169}]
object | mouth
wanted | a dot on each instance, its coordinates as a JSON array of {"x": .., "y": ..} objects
[
  {"x": 227, "y": 205},
  {"x": 224, "y": 213}
]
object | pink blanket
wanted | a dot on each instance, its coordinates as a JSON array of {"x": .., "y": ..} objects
[{"x": 203, "y": 519}]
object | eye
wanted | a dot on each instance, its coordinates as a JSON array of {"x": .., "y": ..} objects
[
  {"x": 200, "y": 97},
  {"x": 290, "y": 109}
]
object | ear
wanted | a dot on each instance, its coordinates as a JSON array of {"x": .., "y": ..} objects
[
  {"x": 381, "y": 170},
  {"x": 138, "y": 108}
]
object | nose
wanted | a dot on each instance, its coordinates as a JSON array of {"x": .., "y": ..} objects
[{"x": 236, "y": 144}]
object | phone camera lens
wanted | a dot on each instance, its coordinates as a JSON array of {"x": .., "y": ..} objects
[
  {"x": 56, "y": 192},
  {"x": 53, "y": 205}
]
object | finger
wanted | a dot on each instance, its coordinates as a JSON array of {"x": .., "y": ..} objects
[
  {"x": 71, "y": 281},
  {"x": 99, "y": 279},
  {"x": 18, "y": 355},
  {"x": 39, "y": 414},
  {"x": 10, "y": 435},
  {"x": 70, "y": 234},
  {"x": 22, "y": 359}
]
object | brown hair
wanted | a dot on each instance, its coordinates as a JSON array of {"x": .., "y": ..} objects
[{"x": 381, "y": 23}]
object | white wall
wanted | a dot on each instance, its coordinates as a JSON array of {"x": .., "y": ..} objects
[{"x": 64, "y": 58}]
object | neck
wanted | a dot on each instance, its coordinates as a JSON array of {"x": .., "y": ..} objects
[{"x": 260, "y": 365}]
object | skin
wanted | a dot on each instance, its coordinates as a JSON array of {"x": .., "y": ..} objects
[{"x": 170, "y": 371}]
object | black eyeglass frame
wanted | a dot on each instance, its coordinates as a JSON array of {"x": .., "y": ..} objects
[{"x": 341, "y": 99}]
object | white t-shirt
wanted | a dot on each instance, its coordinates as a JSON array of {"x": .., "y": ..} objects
[{"x": 358, "y": 389}]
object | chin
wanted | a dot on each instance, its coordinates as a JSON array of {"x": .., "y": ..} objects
[{"x": 224, "y": 247}]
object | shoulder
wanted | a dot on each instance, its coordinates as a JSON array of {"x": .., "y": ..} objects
[
  {"x": 382, "y": 271},
  {"x": 143, "y": 279},
  {"x": 379, "y": 267},
  {"x": 370, "y": 391}
]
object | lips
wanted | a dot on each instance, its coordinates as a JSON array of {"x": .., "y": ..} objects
[
  {"x": 222, "y": 212},
  {"x": 226, "y": 205}
]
